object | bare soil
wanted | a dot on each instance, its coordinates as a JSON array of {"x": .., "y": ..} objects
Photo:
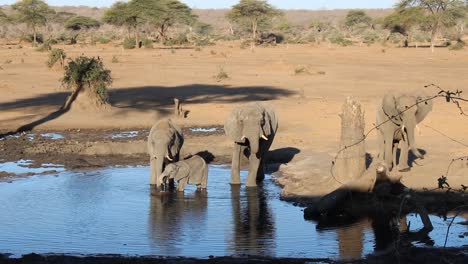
[{"x": 147, "y": 80}]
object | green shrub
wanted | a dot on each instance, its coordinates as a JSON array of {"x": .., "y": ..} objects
[
  {"x": 245, "y": 44},
  {"x": 179, "y": 40},
  {"x": 56, "y": 55},
  {"x": 459, "y": 45},
  {"x": 128, "y": 43},
  {"x": 301, "y": 70},
  {"x": 221, "y": 75},
  {"x": 45, "y": 47},
  {"x": 30, "y": 38},
  {"x": 85, "y": 73},
  {"x": 370, "y": 37},
  {"x": 103, "y": 40},
  {"x": 147, "y": 43},
  {"x": 340, "y": 40},
  {"x": 203, "y": 42},
  {"x": 115, "y": 59}
]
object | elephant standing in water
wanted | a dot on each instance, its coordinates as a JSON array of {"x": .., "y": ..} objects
[
  {"x": 164, "y": 143},
  {"x": 252, "y": 126},
  {"x": 405, "y": 111},
  {"x": 190, "y": 171}
]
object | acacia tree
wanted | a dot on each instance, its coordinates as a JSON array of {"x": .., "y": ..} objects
[
  {"x": 438, "y": 14},
  {"x": 253, "y": 12},
  {"x": 3, "y": 16},
  {"x": 169, "y": 13},
  {"x": 87, "y": 75},
  {"x": 132, "y": 15},
  {"x": 33, "y": 13},
  {"x": 79, "y": 23},
  {"x": 404, "y": 21},
  {"x": 357, "y": 17}
]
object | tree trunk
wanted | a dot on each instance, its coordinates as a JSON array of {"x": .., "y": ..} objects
[
  {"x": 137, "y": 41},
  {"x": 254, "y": 31},
  {"x": 433, "y": 35},
  {"x": 71, "y": 98},
  {"x": 162, "y": 34},
  {"x": 34, "y": 36},
  {"x": 351, "y": 162}
]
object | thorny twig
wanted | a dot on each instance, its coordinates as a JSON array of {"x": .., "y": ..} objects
[
  {"x": 453, "y": 219},
  {"x": 449, "y": 96}
]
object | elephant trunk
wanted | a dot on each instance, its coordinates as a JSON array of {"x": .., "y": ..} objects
[
  {"x": 409, "y": 128},
  {"x": 254, "y": 144}
]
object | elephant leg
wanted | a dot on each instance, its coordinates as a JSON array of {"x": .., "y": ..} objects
[
  {"x": 395, "y": 153},
  {"x": 388, "y": 152},
  {"x": 153, "y": 177},
  {"x": 381, "y": 143},
  {"x": 254, "y": 164},
  {"x": 181, "y": 184},
  {"x": 235, "y": 166},
  {"x": 403, "y": 164}
]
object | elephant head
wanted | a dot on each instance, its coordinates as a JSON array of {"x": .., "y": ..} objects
[
  {"x": 174, "y": 171},
  {"x": 407, "y": 111},
  {"x": 164, "y": 144},
  {"x": 248, "y": 125}
]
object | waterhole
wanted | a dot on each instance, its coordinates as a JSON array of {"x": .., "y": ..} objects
[{"x": 111, "y": 211}]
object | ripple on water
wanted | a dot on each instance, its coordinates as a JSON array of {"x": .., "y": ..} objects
[{"x": 112, "y": 212}]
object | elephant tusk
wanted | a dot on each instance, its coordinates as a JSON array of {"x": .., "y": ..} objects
[
  {"x": 403, "y": 132},
  {"x": 264, "y": 137},
  {"x": 243, "y": 137},
  {"x": 169, "y": 158}
]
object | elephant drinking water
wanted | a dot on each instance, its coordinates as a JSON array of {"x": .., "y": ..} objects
[
  {"x": 164, "y": 143},
  {"x": 190, "y": 171},
  {"x": 253, "y": 127}
]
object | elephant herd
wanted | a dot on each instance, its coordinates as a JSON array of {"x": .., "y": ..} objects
[{"x": 252, "y": 128}]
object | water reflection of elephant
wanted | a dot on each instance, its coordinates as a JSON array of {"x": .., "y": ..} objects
[
  {"x": 253, "y": 222},
  {"x": 350, "y": 233},
  {"x": 173, "y": 215}
]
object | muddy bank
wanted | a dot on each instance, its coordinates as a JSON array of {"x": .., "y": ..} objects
[
  {"x": 95, "y": 148},
  {"x": 404, "y": 255}
]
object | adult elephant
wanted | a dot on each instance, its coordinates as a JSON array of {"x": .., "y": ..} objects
[
  {"x": 405, "y": 112},
  {"x": 252, "y": 126},
  {"x": 164, "y": 143}
]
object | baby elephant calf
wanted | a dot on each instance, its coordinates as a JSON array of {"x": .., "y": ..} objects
[{"x": 190, "y": 171}]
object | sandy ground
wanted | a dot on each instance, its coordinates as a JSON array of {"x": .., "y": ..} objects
[{"x": 146, "y": 81}]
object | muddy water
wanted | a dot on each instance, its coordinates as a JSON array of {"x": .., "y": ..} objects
[{"x": 112, "y": 212}]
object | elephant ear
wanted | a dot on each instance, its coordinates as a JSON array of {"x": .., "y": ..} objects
[
  {"x": 177, "y": 140},
  {"x": 390, "y": 107},
  {"x": 233, "y": 126},
  {"x": 266, "y": 127},
  {"x": 271, "y": 124},
  {"x": 424, "y": 107},
  {"x": 183, "y": 170}
]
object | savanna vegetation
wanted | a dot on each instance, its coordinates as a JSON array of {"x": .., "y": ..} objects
[{"x": 142, "y": 23}]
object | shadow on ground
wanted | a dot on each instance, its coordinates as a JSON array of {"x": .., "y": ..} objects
[{"x": 154, "y": 98}]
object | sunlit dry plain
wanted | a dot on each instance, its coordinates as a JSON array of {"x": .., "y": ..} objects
[{"x": 308, "y": 103}]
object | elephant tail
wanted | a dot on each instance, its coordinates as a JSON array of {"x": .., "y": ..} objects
[{"x": 204, "y": 182}]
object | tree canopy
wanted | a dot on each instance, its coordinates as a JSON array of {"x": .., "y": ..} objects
[
  {"x": 357, "y": 17},
  {"x": 61, "y": 17},
  {"x": 81, "y": 22},
  {"x": 438, "y": 14},
  {"x": 162, "y": 14},
  {"x": 253, "y": 12},
  {"x": 170, "y": 13},
  {"x": 33, "y": 13}
]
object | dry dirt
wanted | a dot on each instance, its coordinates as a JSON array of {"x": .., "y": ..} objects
[{"x": 146, "y": 81}]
